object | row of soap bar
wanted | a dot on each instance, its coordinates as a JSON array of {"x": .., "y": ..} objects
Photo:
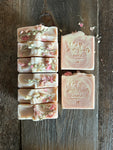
[
  {"x": 78, "y": 92},
  {"x": 37, "y": 52}
]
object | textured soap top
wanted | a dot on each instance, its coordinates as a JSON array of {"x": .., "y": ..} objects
[
  {"x": 38, "y": 48},
  {"x": 78, "y": 91},
  {"x": 77, "y": 51},
  {"x": 37, "y": 33},
  {"x": 37, "y": 64},
  {"x": 37, "y": 80},
  {"x": 36, "y": 96}
]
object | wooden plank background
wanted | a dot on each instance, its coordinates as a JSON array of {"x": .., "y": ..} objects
[
  {"x": 106, "y": 76},
  {"x": 74, "y": 129}
]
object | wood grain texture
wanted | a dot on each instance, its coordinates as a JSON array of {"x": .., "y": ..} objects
[
  {"x": 74, "y": 129},
  {"x": 106, "y": 76},
  {"x": 9, "y": 124}
]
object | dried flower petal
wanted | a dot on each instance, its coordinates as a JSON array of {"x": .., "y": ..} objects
[
  {"x": 43, "y": 39},
  {"x": 44, "y": 100},
  {"x": 28, "y": 33},
  {"x": 50, "y": 114},
  {"x": 52, "y": 107},
  {"x": 81, "y": 24},
  {"x": 34, "y": 33},
  {"x": 35, "y": 66},
  {"x": 30, "y": 81},
  {"x": 39, "y": 27},
  {"x": 60, "y": 30},
  {"x": 49, "y": 67},
  {"x": 31, "y": 66},
  {"x": 68, "y": 73},
  {"x": 51, "y": 79},
  {"x": 22, "y": 64},
  {"x": 92, "y": 28},
  {"x": 21, "y": 32},
  {"x": 52, "y": 53},
  {"x": 25, "y": 38}
]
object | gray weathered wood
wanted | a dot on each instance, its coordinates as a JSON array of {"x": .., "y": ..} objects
[
  {"x": 9, "y": 124},
  {"x": 106, "y": 76},
  {"x": 73, "y": 130}
]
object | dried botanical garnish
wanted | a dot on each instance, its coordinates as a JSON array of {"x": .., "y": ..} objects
[
  {"x": 31, "y": 48},
  {"x": 30, "y": 35},
  {"x": 49, "y": 65},
  {"x": 43, "y": 80},
  {"x": 81, "y": 24},
  {"x": 44, "y": 111},
  {"x": 92, "y": 28}
]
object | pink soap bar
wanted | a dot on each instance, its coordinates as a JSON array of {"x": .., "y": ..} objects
[
  {"x": 37, "y": 80},
  {"x": 36, "y": 96},
  {"x": 38, "y": 48},
  {"x": 37, "y": 33},
  {"x": 77, "y": 51},
  {"x": 37, "y": 64},
  {"x": 78, "y": 91},
  {"x": 37, "y": 112}
]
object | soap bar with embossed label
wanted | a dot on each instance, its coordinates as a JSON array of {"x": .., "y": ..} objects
[
  {"x": 38, "y": 112},
  {"x": 36, "y": 96},
  {"x": 38, "y": 80},
  {"x": 38, "y": 48},
  {"x": 78, "y": 91},
  {"x": 77, "y": 51},
  {"x": 37, "y": 64},
  {"x": 37, "y": 33}
]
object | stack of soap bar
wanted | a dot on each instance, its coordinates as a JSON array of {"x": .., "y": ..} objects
[
  {"x": 38, "y": 53},
  {"x": 37, "y": 64},
  {"x": 78, "y": 91},
  {"x": 38, "y": 112},
  {"x": 77, "y": 51},
  {"x": 38, "y": 48}
]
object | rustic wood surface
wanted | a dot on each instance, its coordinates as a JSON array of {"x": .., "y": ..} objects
[
  {"x": 106, "y": 76},
  {"x": 74, "y": 129}
]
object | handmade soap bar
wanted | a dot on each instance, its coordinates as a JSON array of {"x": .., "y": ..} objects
[
  {"x": 38, "y": 112},
  {"x": 37, "y": 80},
  {"x": 78, "y": 91},
  {"x": 77, "y": 51},
  {"x": 37, "y": 33},
  {"x": 38, "y": 48},
  {"x": 36, "y": 96},
  {"x": 37, "y": 64}
]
